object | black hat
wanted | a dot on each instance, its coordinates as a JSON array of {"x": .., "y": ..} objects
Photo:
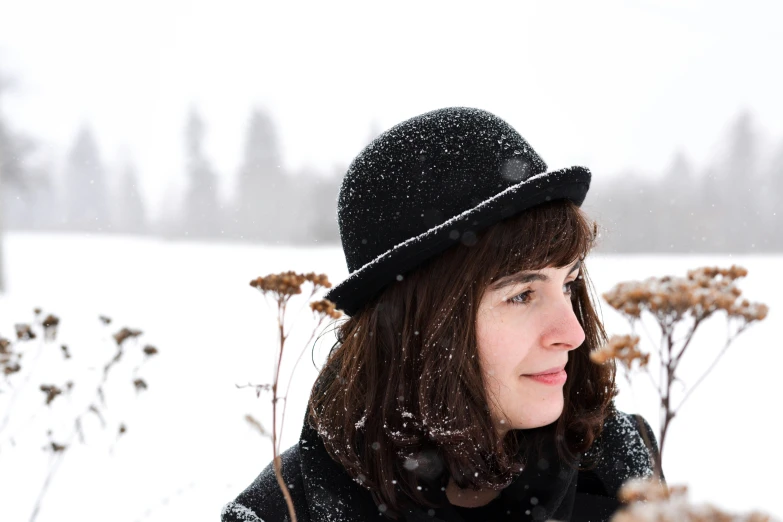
[{"x": 432, "y": 182}]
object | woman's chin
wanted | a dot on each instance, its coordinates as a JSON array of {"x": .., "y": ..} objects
[{"x": 543, "y": 416}]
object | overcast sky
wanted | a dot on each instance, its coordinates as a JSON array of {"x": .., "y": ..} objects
[{"x": 611, "y": 85}]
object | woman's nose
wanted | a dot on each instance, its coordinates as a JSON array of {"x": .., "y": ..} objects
[{"x": 563, "y": 329}]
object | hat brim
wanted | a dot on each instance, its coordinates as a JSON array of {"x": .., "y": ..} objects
[{"x": 362, "y": 285}]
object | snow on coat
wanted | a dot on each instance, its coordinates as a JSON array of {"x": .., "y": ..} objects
[{"x": 322, "y": 490}]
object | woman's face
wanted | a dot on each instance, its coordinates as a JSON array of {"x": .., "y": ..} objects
[{"x": 526, "y": 326}]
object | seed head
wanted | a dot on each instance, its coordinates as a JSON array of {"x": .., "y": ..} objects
[
  {"x": 24, "y": 332},
  {"x": 624, "y": 348},
  {"x": 318, "y": 280},
  {"x": 51, "y": 392},
  {"x": 8, "y": 369},
  {"x": 326, "y": 308},
  {"x": 283, "y": 284},
  {"x": 651, "y": 501},
  {"x": 703, "y": 292},
  {"x": 286, "y": 284},
  {"x": 125, "y": 334},
  {"x": 50, "y": 327}
]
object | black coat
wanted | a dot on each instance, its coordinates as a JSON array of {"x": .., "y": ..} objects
[{"x": 322, "y": 490}]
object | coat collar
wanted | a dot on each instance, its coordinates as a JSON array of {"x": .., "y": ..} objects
[{"x": 542, "y": 491}]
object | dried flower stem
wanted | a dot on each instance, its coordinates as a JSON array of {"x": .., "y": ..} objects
[
  {"x": 671, "y": 301},
  {"x": 712, "y": 365},
  {"x": 54, "y": 465},
  {"x": 76, "y": 430},
  {"x": 277, "y": 460},
  {"x": 288, "y": 387},
  {"x": 282, "y": 287},
  {"x": 49, "y": 329}
]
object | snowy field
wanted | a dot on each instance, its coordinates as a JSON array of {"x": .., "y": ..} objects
[{"x": 188, "y": 449}]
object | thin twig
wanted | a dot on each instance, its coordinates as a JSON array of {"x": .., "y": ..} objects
[
  {"x": 77, "y": 430},
  {"x": 644, "y": 327},
  {"x": 24, "y": 425},
  {"x": 58, "y": 458},
  {"x": 305, "y": 304},
  {"x": 714, "y": 362},
  {"x": 696, "y": 323},
  {"x": 291, "y": 377},
  {"x": 277, "y": 461}
]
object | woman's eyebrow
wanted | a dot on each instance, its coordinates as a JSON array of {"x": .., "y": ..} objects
[{"x": 528, "y": 277}]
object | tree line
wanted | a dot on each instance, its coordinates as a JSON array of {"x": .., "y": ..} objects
[
  {"x": 729, "y": 205},
  {"x": 269, "y": 203}
]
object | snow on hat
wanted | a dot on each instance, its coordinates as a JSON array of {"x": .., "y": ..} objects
[{"x": 432, "y": 182}]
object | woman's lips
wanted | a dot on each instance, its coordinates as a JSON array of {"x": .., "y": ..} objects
[
  {"x": 553, "y": 376},
  {"x": 554, "y": 369}
]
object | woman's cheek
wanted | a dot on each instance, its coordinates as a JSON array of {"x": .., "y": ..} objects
[{"x": 500, "y": 341}]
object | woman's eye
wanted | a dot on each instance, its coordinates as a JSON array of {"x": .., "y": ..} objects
[{"x": 524, "y": 297}]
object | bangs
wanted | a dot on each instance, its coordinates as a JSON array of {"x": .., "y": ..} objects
[{"x": 554, "y": 235}]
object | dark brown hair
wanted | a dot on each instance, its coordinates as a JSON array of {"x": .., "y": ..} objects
[{"x": 403, "y": 383}]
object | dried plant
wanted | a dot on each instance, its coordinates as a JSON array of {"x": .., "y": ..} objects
[
  {"x": 50, "y": 327},
  {"x": 9, "y": 359},
  {"x": 44, "y": 332},
  {"x": 24, "y": 332},
  {"x": 654, "y": 502},
  {"x": 125, "y": 334},
  {"x": 675, "y": 303},
  {"x": 280, "y": 288}
]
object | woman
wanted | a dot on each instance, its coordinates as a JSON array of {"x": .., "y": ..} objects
[{"x": 460, "y": 387}]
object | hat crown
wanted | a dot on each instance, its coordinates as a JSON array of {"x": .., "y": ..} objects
[{"x": 424, "y": 171}]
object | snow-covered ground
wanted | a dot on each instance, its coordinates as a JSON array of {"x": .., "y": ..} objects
[{"x": 188, "y": 449}]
